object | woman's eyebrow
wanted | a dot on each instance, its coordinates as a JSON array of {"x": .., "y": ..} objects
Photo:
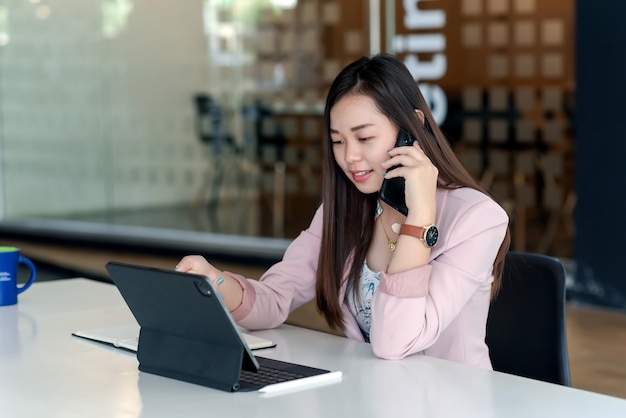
[
  {"x": 359, "y": 127},
  {"x": 353, "y": 129}
]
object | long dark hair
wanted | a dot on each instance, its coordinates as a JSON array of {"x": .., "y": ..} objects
[{"x": 348, "y": 213}]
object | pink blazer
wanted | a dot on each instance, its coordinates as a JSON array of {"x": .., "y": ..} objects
[{"x": 438, "y": 310}]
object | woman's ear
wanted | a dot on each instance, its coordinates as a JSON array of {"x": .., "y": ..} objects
[{"x": 420, "y": 115}]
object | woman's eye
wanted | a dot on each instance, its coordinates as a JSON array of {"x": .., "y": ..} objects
[
  {"x": 336, "y": 142},
  {"x": 365, "y": 139}
]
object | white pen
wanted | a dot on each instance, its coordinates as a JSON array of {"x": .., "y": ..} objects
[{"x": 305, "y": 382}]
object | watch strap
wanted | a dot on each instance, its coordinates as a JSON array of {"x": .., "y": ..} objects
[
  {"x": 414, "y": 231},
  {"x": 420, "y": 232}
]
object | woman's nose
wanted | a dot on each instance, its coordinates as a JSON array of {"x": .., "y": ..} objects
[{"x": 353, "y": 153}]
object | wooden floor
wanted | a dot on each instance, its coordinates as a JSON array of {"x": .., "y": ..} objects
[
  {"x": 596, "y": 337},
  {"x": 597, "y": 349}
]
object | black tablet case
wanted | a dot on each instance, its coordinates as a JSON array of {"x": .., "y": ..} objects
[{"x": 177, "y": 339}]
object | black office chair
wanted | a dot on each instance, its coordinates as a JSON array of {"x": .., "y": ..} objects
[{"x": 526, "y": 323}]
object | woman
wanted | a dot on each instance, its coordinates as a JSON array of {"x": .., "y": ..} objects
[{"x": 373, "y": 273}]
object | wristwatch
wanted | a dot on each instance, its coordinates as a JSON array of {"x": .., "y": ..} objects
[{"x": 427, "y": 234}]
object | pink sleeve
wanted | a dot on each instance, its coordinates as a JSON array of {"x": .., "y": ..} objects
[
  {"x": 411, "y": 309},
  {"x": 287, "y": 285}
]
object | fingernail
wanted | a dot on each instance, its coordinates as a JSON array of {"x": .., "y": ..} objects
[
  {"x": 384, "y": 175},
  {"x": 176, "y": 268},
  {"x": 389, "y": 149},
  {"x": 220, "y": 281}
]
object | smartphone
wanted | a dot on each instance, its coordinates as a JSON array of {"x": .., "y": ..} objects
[{"x": 392, "y": 190}]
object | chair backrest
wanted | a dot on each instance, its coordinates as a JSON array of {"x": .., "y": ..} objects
[{"x": 526, "y": 324}]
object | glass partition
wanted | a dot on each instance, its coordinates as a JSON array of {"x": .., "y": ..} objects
[
  {"x": 206, "y": 115},
  {"x": 199, "y": 115},
  {"x": 499, "y": 77}
]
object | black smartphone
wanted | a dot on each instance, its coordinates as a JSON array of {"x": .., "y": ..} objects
[{"x": 392, "y": 190}]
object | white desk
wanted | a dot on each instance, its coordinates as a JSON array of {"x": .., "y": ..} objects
[{"x": 45, "y": 372}]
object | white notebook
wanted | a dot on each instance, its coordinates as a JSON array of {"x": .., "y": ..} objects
[{"x": 127, "y": 337}]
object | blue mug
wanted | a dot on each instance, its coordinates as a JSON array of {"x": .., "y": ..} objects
[{"x": 10, "y": 258}]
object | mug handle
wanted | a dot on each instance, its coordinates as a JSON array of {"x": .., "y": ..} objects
[{"x": 33, "y": 273}]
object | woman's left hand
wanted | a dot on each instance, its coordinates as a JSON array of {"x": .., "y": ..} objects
[{"x": 420, "y": 181}]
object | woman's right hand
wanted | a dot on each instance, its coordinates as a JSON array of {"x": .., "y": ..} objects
[
  {"x": 229, "y": 288},
  {"x": 196, "y": 264}
]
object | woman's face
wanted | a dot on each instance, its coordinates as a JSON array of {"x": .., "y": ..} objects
[{"x": 361, "y": 137}]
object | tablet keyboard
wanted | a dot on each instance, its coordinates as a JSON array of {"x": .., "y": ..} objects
[
  {"x": 267, "y": 376},
  {"x": 274, "y": 371}
]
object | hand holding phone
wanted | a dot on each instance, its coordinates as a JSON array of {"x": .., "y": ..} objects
[{"x": 392, "y": 190}]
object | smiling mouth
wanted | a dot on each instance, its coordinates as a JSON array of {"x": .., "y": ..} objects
[{"x": 360, "y": 176}]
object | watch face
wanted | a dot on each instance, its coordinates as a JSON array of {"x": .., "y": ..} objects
[{"x": 431, "y": 236}]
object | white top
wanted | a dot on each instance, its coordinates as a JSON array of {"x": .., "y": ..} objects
[
  {"x": 362, "y": 309},
  {"x": 46, "y": 372}
]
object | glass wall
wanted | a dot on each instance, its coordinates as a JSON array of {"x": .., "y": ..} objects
[
  {"x": 500, "y": 78},
  {"x": 199, "y": 114},
  {"x": 97, "y": 105},
  {"x": 206, "y": 115}
]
